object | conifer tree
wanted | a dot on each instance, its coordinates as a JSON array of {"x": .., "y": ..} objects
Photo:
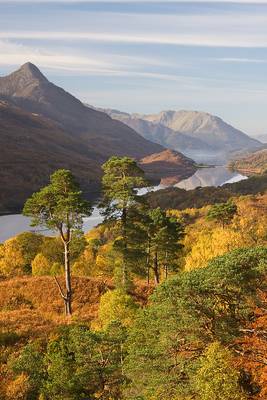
[
  {"x": 59, "y": 206},
  {"x": 163, "y": 236},
  {"x": 122, "y": 177},
  {"x": 222, "y": 212}
]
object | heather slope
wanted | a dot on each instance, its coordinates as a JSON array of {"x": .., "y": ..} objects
[{"x": 33, "y": 147}]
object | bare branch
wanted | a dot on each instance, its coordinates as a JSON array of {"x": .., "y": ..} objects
[{"x": 60, "y": 289}]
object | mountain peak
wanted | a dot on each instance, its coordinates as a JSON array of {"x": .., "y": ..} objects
[
  {"x": 30, "y": 71},
  {"x": 23, "y": 82},
  {"x": 189, "y": 122}
]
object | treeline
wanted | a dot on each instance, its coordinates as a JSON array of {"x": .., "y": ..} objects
[{"x": 176, "y": 198}]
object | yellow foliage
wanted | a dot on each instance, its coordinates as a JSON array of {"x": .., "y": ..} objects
[
  {"x": 211, "y": 244},
  {"x": 91, "y": 264},
  {"x": 101, "y": 232},
  {"x": 11, "y": 259},
  {"x": 40, "y": 265},
  {"x": 85, "y": 265},
  {"x": 56, "y": 269},
  {"x": 116, "y": 305},
  {"x": 205, "y": 240},
  {"x": 251, "y": 220},
  {"x": 105, "y": 260}
]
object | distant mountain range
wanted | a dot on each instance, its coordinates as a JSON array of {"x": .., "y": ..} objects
[
  {"x": 201, "y": 136},
  {"x": 43, "y": 128}
]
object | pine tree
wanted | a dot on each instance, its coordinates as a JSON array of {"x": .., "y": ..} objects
[
  {"x": 122, "y": 177},
  {"x": 60, "y": 207}
]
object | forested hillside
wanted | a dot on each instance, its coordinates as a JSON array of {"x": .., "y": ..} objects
[
  {"x": 253, "y": 163},
  {"x": 165, "y": 305}
]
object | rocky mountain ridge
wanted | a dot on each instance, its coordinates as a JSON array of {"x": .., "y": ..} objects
[{"x": 201, "y": 136}]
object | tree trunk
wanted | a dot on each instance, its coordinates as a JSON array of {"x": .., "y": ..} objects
[
  {"x": 156, "y": 268},
  {"x": 148, "y": 263},
  {"x": 166, "y": 271},
  {"x": 166, "y": 265},
  {"x": 124, "y": 235},
  {"x": 68, "y": 296}
]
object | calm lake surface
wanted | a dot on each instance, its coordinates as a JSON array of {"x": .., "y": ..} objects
[
  {"x": 216, "y": 176},
  {"x": 11, "y": 225}
]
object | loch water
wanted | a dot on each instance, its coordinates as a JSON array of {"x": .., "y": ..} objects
[{"x": 11, "y": 225}]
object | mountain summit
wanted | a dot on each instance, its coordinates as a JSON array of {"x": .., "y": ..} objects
[
  {"x": 22, "y": 82},
  {"x": 30, "y": 72},
  {"x": 207, "y": 127}
]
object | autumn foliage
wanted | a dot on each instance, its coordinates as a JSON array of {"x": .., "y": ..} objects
[{"x": 200, "y": 335}]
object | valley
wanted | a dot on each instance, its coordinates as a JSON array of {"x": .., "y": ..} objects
[
  {"x": 43, "y": 128},
  {"x": 133, "y": 200},
  {"x": 115, "y": 226}
]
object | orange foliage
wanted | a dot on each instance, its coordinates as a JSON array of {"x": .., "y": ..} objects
[
  {"x": 32, "y": 306},
  {"x": 253, "y": 351},
  {"x": 18, "y": 389}
]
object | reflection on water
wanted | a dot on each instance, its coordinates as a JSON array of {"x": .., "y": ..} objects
[
  {"x": 11, "y": 225},
  {"x": 146, "y": 190},
  {"x": 216, "y": 176}
]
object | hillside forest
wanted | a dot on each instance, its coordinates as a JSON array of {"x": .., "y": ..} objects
[{"x": 165, "y": 300}]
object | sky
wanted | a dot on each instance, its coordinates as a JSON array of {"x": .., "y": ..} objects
[{"x": 147, "y": 56}]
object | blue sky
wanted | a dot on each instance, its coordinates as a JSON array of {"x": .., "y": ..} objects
[{"x": 147, "y": 56}]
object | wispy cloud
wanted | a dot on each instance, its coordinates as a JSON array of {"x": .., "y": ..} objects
[
  {"x": 136, "y": 1},
  {"x": 242, "y": 60},
  {"x": 109, "y": 65},
  {"x": 207, "y": 40},
  {"x": 113, "y": 66},
  {"x": 220, "y": 30}
]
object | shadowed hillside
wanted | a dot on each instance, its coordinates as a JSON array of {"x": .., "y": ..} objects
[{"x": 43, "y": 128}]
